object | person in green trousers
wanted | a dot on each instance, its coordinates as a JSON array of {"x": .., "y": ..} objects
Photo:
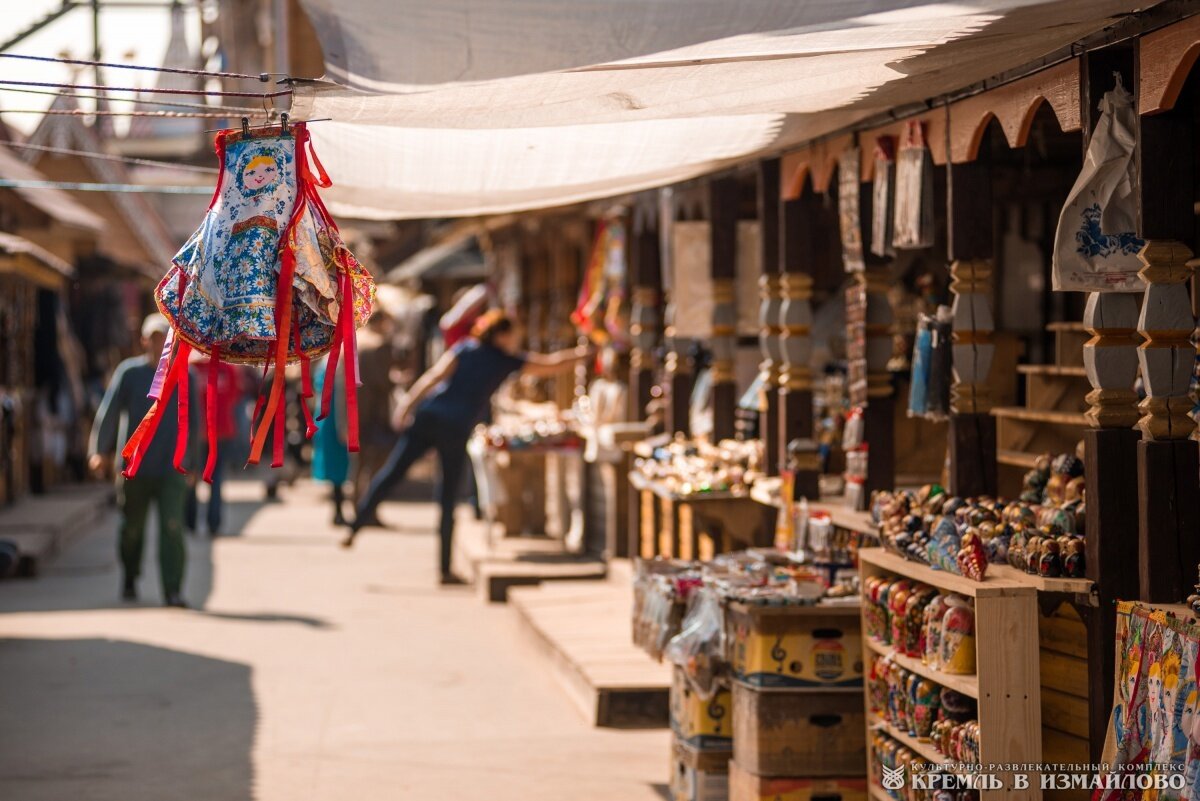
[{"x": 157, "y": 482}]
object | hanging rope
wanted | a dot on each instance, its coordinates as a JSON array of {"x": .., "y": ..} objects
[
  {"x": 262, "y": 76},
  {"x": 78, "y": 112},
  {"x": 136, "y": 90},
  {"x": 7, "y": 183},
  {"x": 91, "y": 154},
  {"x": 139, "y": 100}
]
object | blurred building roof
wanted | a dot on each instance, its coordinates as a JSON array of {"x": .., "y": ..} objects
[
  {"x": 57, "y": 204},
  {"x": 135, "y": 234}
]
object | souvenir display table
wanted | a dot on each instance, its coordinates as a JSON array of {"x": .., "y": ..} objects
[
  {"x": 530, "y": 452},
  {"x": 694, "y": 499}
]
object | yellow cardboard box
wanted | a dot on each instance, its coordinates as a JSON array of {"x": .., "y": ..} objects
[
  {"x": 700, "y": 724},
  {"x": 795, "y": 647}
]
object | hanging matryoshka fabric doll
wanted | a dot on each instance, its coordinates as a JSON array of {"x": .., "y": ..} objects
[{"x": 266, "y": 279}]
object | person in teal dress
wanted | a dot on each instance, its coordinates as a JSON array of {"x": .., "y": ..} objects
[{"x": 331, "y": 460}]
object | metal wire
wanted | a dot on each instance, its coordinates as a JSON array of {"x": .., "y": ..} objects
[
  {"x": 173, "y": 103},
  {"x": 78, "y": 112},
  {"x": 91, "y": 154},
  {"x": 6, "y": 183},
  {"x": 262, "y": 76},
  {"x": 153, "y": 91}
]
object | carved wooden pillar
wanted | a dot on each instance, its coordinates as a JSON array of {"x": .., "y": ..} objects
[
  {"x": 1168, "y": 462},
  {"x": 972, "y": 434},
  {"x": 723, "y": 214},
  {"x": 678, "y": 361},
  {"x": 644, "y": 315},
  {"x": 795, "y": 316},
  {"x": 880, "y": 411},
  {"x": 769, "y": 317},
  {"x": 1110, "y": 441}
]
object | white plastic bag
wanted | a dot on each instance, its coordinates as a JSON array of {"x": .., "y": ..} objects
[
  {"x": 1095, "y": 246},
  {"x": 699, "y": 647}
]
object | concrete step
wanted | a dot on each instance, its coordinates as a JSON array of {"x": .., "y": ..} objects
[
  {"x": 42, "y": 526},
  {"x": 583, "y": 630},
  {"x": 506, "y": 562}
]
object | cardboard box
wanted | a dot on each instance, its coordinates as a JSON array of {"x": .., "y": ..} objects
[
  {"x": 704, "y": 725},
  {"x": 795, "y": 647},
  {"x": 699, "y": 775},
  {"x": 745, "y": 786},
  {"x": 805, "y": 733}
]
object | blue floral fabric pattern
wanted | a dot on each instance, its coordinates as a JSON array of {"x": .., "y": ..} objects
[{"x": 229, "y": 268}]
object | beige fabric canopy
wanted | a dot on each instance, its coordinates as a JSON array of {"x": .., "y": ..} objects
[{"x": 467, "y": 107}]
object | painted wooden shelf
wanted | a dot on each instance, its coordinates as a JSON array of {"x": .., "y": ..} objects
[
  {"x": 1007, "y": 685},
  {"x": 965, "y": 684},
  {"x": 1052, "y": 416},
  {"x": 993, "y": 584},
  {"x": 1077, "y": 586}
]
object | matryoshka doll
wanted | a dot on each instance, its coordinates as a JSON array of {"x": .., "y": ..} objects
[
  {"x": 931, "y": 630},
  {"x": 958, "y": 637},
  {"x": 914, "y": 617},
  {"x": 925, "y": 701},
  {"x": 877, "y": 682},
  {"x": 874, "y": 614},
  {"x": 897, "y": 604}
]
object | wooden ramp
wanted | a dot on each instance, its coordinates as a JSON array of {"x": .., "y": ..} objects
[
  {"x": 42, "y": 526},
  {"x": 516, "y": 562},
  {"x": 583, "y": 629}
]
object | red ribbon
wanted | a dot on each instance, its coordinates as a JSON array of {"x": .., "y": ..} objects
[
  {"x": 181, "y": 436},
  {"x": 214, "y": 365}
]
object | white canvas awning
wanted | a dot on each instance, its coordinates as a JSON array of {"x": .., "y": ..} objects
[{"x": 477, "y": 106}]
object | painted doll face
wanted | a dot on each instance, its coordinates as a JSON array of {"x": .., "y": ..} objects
[{"x": 260, "y": 172}]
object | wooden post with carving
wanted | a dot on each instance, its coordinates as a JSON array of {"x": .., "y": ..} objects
[
  {"x": 678, "y": 362},
  {"x": 769, "y": 312},
  {"x": 1168, "y": 462},
  {"x": 795, "y": 315},
  {"x": 972, "y": 431},
  {"x": 645, "y": 321},
  {"x": 723, "y": 220},
  {"x": 1110, "y": 441}
]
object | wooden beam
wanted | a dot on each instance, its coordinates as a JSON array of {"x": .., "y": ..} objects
[
  {"x": 1168, "y": 56},
  {"x": 645, "y": 315},
  {"x": 795, "y": 393}
]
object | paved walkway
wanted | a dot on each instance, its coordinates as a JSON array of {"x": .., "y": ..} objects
[{"x": 306, "y": 673}]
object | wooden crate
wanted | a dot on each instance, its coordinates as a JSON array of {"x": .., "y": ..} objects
[
  {"x": 1006, "y": 687},
  {"x": 746, "y": 786},
  {"x": 787, "y": 733},
  {"x": 795, "y": 647},
  {"x": 703, "y": 724}
]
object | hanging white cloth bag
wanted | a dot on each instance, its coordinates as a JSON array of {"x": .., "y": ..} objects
[{"x": 1095, "y": 246}]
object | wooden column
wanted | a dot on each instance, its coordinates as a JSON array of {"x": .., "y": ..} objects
[
  {"x": 678, "y": 362},
  {"x": 645, "y": 321},
  {"x": 795, "y": 315},
  {"x": 723, "y": 218},
  {"x": 769, "y": 318},
  {"x": 972, "y": 432},
  {"x": 1110, "y": 442},
  {"x": 1168, "y": 462}
]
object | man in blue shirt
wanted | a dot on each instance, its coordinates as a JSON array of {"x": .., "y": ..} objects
[
  {"x": 442, "y": 408},
  {"x": 125, "y": 404}
]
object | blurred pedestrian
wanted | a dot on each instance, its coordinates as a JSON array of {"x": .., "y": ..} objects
[
  {"x": 441, "y": 409},
  {"x": 330, "y": 459},
  {"x": 157, "y": 482}
]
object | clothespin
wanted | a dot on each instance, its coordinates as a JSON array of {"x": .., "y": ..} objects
[
  {"x": 245, "y": 126},
  {"x": 283, "y": 119}
]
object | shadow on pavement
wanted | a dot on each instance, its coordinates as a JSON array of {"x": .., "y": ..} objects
[
  {"x": 267, "y": 617},
  {"x": 114, "y": 720}
]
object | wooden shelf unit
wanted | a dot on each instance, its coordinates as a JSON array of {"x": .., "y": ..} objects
[{"x": 1006, "y": 685}]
